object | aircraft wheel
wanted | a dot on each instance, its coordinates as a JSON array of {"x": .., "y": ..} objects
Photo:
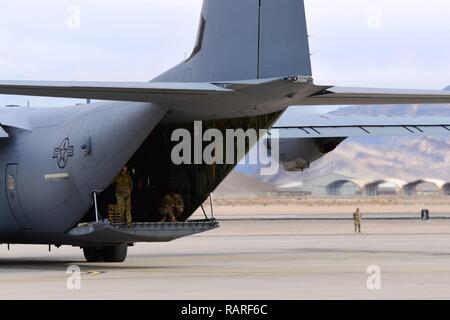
[
  {"x": 115, "y": 253},
  {"x": 93, "y": 254}
]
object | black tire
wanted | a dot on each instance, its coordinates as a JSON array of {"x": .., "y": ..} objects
[
  {"x": 115, "y": 253},
  {"x": 93, "y": 254}
]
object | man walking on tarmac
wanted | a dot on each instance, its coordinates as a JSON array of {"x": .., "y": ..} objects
[
  {"x": 357, "y": 218},
  {"x": 124, "y": 187}
]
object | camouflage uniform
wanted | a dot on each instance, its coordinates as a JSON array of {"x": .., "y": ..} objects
[
  {"x": 172, "y": 206},
  {"x": 357, "y": 219},
  {"x": 178, "y": 205},
  {"x": 124, "y": 187}
]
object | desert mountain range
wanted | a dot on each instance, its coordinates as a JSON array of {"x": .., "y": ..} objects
[{"x": 403, "y": 158}]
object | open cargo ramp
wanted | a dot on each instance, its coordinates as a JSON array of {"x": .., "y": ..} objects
[{"x": 104, "y": 232}]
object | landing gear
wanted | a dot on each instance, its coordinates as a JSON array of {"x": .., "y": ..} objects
[
  {"x": 92, "y": 254},
  {"x": 115, "y": 254},
  {"x": 106, "y": 254}
]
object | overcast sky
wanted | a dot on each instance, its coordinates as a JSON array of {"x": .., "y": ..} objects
[{"x": 384, "y": 43}]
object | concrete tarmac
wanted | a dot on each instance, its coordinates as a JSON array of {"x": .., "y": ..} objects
[{"x": 249, "y": 260}]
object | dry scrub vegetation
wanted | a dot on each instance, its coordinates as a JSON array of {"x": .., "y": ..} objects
[{"x": 281, "y": 200}]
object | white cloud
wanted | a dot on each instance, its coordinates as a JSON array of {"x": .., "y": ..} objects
[{"x": 410, "y": 48}]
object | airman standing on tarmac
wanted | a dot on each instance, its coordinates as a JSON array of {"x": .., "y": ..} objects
[
  {"x": 124, "y": 187},
  {"x": 357, "y": 218},
  {"x": 172, "y": 206}
]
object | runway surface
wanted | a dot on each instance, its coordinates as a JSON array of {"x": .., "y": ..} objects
[{"x": 250, "y": 260}]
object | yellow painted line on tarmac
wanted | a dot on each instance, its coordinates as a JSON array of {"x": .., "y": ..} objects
[{"x": 94, "y": 273}]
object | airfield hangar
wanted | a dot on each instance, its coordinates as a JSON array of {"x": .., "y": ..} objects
[{"x": 335, "y": 184}]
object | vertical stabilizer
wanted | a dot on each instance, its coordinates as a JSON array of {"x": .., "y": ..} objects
[{"x": 247, "y": 39}]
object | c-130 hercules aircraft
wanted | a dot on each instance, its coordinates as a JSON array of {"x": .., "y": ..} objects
[{"x": 250, "y": 63}]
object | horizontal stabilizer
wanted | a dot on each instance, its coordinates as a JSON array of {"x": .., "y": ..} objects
[
  {"x": 303, "y": 92},
  {"x": 117, "y": 91},
  {"x": 222, "y": 100},
  {"x": 367, "y": 96},
  {"x": 3, "y": 133}
]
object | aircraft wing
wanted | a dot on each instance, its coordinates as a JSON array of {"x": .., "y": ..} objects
[{"x": 329, "y": 126}]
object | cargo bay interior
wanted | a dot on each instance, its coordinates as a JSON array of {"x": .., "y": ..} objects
[{"x": 154, "y": 175}]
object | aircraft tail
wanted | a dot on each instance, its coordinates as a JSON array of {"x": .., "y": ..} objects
[{"x": 247, "y": 39}]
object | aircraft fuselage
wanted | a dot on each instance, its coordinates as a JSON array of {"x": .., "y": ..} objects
[{"x": 58, "y": 158}]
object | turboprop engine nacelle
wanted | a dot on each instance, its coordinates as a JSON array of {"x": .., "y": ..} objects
[{"x": 298, "y": 154}]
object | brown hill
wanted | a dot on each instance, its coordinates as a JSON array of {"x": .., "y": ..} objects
[
  {"x": 241, "y": 184},
  {"x": 405, "y": 158},
  {"x": 401, "y": 158}
]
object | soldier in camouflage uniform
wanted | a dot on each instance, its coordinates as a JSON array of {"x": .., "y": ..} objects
[
  {"x": 124, "y": 187},
  {"x": 172, "y": 207},
  {"x": 357, "y": 218},
  {"x": 178, "y": 205}
]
